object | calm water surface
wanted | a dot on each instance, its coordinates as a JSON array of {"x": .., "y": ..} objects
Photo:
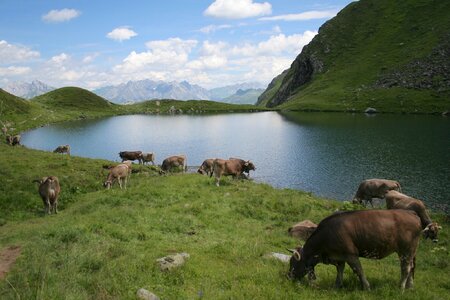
[{"x": 327, "y": 154}]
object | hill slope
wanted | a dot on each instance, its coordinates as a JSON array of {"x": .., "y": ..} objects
[
  {"x": 248, "y": 96},
  {"x": 391, "y": 55},
  {"x": 10, "y": 104}
]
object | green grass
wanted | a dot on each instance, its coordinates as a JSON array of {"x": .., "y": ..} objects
[
  {"x": 365, "y": 41},
  {"x": 103, "y": 244}
]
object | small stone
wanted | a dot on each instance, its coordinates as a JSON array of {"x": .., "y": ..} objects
[
  {"x": 172, "y": 261},
  {"x": 146, "y": 295}
]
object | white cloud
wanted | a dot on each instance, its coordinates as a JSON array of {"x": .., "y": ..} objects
[
  {"x": 63, "y": 15},
  {"x": 90, "y": 58},
  {"x": 162, "y": 54},
  {"x": 212, "y": 28},
  {"x": 14, "y": 71},
  {"x": 237, "y": 9},
  {"x": 308, "y": 15},
  {"x": 59, "y": 59},
  {"x": 121, "y": 34},
  {"x": 14, "y": 53}
]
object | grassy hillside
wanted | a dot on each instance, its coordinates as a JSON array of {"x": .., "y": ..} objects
[
  {"x": 103, "y": 244},
  {"x": 391, "y": 55}
]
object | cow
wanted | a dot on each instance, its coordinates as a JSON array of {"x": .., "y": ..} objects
[
  {"x": 119, "y": 172},
  {"x": 374, "y": 188},
  {"x": 206, "y": 167},
  {"x": 62, "y": 149},
  {"x": 302, "y": 230},
  {"x": 131, "y": 155},
  {"x": 345, "y": 236},
  {"x": 233, "y": 167},
  {"x": 13, "y": 140},
  {"x": 247, "y": 166},
  {"x": 172, "y": 162},
  {"x": 49, "y": 190},
  {"x": 397, "y": 200},
  {"x": 148, "y": 157}
]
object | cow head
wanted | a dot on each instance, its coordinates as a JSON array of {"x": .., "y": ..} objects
[
  {"x": 201, "y": 171},
  {"x": 249, "y": 166},
  {"x": 299, "y": 266},
  {"x": 431, "y": 231},
  {"x": 107, "y": 184}
]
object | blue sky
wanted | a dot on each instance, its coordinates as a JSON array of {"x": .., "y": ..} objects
[{"x": 207, "y": 42}]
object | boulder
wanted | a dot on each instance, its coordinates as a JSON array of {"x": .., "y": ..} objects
[
  {"x": 370, "y": 110},
  {"x": 170, "y": 262},
  {"x": 146, "y": 295},
  {"x": 302, "y": 230}
]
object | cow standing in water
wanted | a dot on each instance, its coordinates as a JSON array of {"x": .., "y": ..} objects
[{"x": 344, "y": 237}]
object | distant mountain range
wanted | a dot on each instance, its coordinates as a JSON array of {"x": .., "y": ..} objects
[
  {"x": 28, "y": 90},
  {"x": 248, "y": 96},
  {"x": 138, "y": 91}
]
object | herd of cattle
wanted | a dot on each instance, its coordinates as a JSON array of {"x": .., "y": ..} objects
[{"x": 340, "y": 238}]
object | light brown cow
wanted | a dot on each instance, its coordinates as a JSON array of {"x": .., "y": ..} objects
[
  {"x": 172, "y": 162},
  {"x": 119, "y": 172},
  {"x": 62, "y": 149},
  {"x": 374, "y": 188},
  {"x": 206, "y": 167},
  {"x": 49, "y": 190},
  {"x": 397, "y": 200},
  {"x": 302, "y": 230},
  {"x": 233, "y": 167},
  {"x": 148, "y": 157}
]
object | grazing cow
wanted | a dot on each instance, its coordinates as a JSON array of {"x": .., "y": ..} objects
[
  {"x": 13, "y": 140},
  {"x": 374, "y": 188},
  {"x": 131, "y": 155},
  {"x": 302, "y": 230},
  {"x": 62, "y": 149},
  {"x": 119, "y": 172},
  {"x": 171, "y": 162},
  {"x": 233, "y": 167},
  {"x": 247, "y": 166},
  {"x": 148, "y": 157},
  {"x": 397, "y": 200},
  {"x": 49, "y": 190},
  {"x": 344, "y": 237},
  {"x": 206, "y": 167}
]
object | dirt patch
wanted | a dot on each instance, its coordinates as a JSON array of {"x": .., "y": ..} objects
[{"x": 8, "y": 257}]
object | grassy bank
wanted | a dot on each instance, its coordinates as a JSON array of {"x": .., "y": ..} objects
[{"x": 103, "y": 244}]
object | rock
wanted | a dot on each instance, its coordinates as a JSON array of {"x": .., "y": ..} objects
[
  {"x": 172, "y": 110},
  {"x": 146, "y": 295},
  {"x": 370, "y": 110},
  {"x": 446, "y": 113},
  {"x": 170, "y": 262},
  {"x": 302, "y": 230},
  {"x": 158, "y": 103}
]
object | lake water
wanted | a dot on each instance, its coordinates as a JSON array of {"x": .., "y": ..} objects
[{"x": 327, "y": 154}]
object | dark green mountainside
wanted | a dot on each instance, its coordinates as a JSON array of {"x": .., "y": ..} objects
[{"x": 390, "y": 55}]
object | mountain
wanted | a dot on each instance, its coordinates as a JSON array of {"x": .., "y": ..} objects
[
  {"x": 28, "y": 90},
  {"x": 72, "y": 99},
  {"x": 221, "y": 93},
  {"x": 11, "y": 104},
  {"x": 137, "y": 91},
  {"x": 390, "y": 55},
  {"x": 249, "y": 96}
]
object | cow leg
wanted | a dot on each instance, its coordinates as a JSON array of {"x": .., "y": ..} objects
[
  {"x": 119, "y": 180},
  {"x": 56, "y": 206},
  {"x": 410, "y": 280},
  {"x": 355, "y": 264},
  {"x": 406, "y": 265},
  {"x": 126, "y": 179},
  {"x": 217, "y": 181},
  {"x": 340, "y": 274},
  {"x": 47, "y": 206}
]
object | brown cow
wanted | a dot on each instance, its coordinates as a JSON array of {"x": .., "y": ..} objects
[
  {"x": 131, "y": 155},
  {"x": 344, "y": 237},
  {"x": 397, "y": 200},
  {"x": 172, "y": 162},
  {"x": 62, "y": 149},
  {"x": 206, "y": 167},
  {"x": 233, "y": 167},
  {"x": 302, "y": 230},
  {"x": 13, "y": 140},
  {"x": 49, "y": 190},
  {"x": 374, "y": 188}
]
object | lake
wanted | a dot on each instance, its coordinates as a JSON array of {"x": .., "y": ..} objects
[{"x": 327, "y": 154}]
